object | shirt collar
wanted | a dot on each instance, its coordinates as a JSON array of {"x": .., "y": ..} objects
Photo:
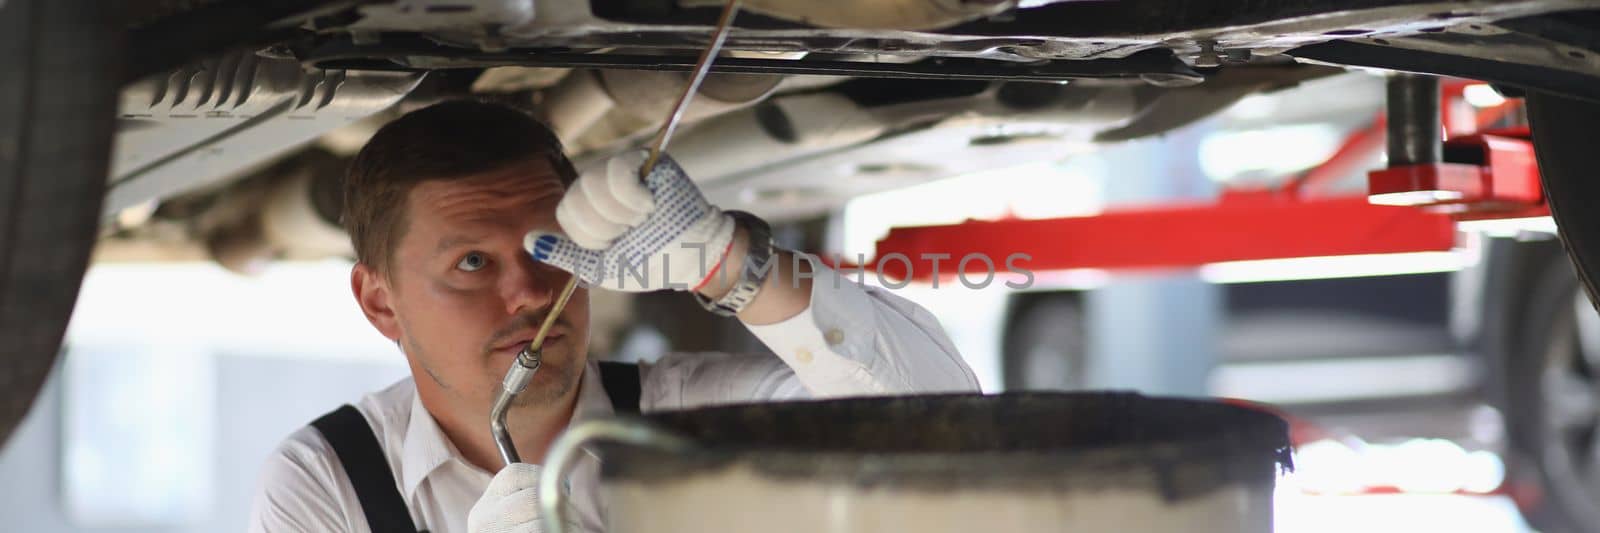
[{"x": 425, "y": 447}]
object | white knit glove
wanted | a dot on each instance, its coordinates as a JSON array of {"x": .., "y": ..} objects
[
  {"x": 511, "y": 503},
  {"x": 629, "y": 236}
]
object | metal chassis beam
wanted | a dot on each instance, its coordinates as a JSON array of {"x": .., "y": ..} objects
[
  {"x": 1463, "y": 65},
  {"x": 1158, "y": 67}
]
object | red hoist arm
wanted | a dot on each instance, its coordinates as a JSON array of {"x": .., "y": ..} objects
[{"x": 1413, "y": 208}]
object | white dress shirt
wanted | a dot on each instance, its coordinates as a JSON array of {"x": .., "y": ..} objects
[{"x": 851, "y": 340}]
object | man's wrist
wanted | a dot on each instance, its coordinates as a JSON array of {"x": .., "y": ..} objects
[{"x": 727, "y": 273}]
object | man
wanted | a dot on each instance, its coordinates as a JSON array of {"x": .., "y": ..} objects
[{"x": 444, "y": 206}]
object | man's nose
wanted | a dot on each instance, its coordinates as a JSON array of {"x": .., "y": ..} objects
[{"x": 531, "y": 285}]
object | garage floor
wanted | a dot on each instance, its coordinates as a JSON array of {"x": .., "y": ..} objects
[{"x": 1302, "y": 513}]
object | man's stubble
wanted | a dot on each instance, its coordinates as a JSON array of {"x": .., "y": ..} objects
[{"x": 543, "y": 389}]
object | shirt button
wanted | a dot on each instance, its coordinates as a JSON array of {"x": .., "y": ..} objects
[
  {"x": 834, "y": 337},
  {"x": 803, "y": 355}
]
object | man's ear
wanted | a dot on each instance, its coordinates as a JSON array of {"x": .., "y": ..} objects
[{"x": 372, "y": 294}]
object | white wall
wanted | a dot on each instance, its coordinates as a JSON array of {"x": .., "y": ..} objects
[{"x": 279, "y": 350}]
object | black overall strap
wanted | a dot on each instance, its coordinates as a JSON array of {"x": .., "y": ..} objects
[
  {"x": 352, "y": 439},
  {"x": 621, "y": 381}
]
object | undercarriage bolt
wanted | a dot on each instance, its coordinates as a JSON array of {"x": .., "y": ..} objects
[{"x": 1208, "y": 57}]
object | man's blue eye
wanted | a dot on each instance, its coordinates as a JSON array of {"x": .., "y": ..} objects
[{"x": 472, "y": 262}]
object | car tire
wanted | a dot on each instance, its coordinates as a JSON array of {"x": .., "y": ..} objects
[
  {"x": 1570, "y": 168},
  {"x": 1545, "y": 359},
  {"x": 57, "y": 108},
  {"x": 1553, "y": 404},
  {"x": 1045, "y": 347}
]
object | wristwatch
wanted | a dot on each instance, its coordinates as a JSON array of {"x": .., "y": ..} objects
[{"x": 757, "y": 267}]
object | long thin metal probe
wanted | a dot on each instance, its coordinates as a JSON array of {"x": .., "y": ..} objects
[
  {"x": 527, "y": 362},
  {"x": 519, "y": 375},
  {"x": 702, "y": 66}
]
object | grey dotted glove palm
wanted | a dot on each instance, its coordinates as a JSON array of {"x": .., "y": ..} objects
[{"x": 625, "y": 235}]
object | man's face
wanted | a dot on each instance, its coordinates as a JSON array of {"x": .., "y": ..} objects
[{"x": 466, "y": 297}]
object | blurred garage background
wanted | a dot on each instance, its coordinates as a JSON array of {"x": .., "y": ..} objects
[{"x": 180, "y": 376}]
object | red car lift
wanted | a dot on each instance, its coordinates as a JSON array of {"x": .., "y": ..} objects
[
  {"x": 1241, "y": 226},
  {"x": 1412, "y": 208},
  {"x": 1497, "y": 178}
]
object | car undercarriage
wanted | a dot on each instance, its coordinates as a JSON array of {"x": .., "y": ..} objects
[
  {"x": 804, "y": 111},
  {"x": 220, "y": 129}
]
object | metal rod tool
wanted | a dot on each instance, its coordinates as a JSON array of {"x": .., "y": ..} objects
[{"x": 528, "y": 360}]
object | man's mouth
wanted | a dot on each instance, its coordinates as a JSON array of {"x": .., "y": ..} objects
[{"x": 517, "y": 345}]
